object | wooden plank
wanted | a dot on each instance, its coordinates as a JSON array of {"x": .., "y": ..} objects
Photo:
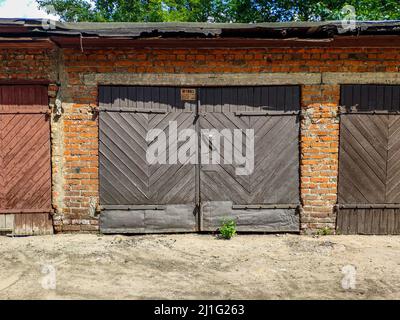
[
  {"x": 243, "y": 100},
  {"x": 2, "y": 222},
  {"x": 360, "y": 221},
  {"x": 33, "y": 224},
  {"x": 345, "y": 222},
  {"x": 397, "y": 222},
  {"x": 6, "y": 223},
  {"x": 339, "y": 221},
  {"x": 346, "y": 95},
  {"x": 383, "y": 222},
  {"x": 375, "y": 220},
  {"x": 380, "y": 97},
  {"x": 353, "y": 218},
  {"x": 388, "y": 98},
  {"x": 123, "y": 94},
  {"x": 365, "y": 103},
  {"x": 273, "y": 99},
  {"x": 257, "y": 99},
  {"x": 280, "y": 92},
  {"x": 391, "y": 221},
  {"x": 396, "y": 98},
  {"x": 9, "y": 221},
  {"x": 372, "y": 98},
  {"x": 369, "y": 214}
]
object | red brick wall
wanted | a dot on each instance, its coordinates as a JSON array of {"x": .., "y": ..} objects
[
  {"x": 232, "y": 60},
  {"x": 28, "y": 64},
  {"x": 319, "y": 138}
]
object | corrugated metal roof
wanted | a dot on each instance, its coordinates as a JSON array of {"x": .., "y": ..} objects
[{"x": 44, "y": 28}]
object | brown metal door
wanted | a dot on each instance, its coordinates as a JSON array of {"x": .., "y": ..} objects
[
  {"x": 369, "y": 170},
  {"x": 25, "y": 164}
]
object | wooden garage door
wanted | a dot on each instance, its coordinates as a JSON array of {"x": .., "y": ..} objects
[
  {"x": 136, "y": 196},
  {"x": 369, "y": 164},
  {"x": 25, "y": 167},
  {"x": 139, "y": 197},
  {"x": 267, "y": 198}
]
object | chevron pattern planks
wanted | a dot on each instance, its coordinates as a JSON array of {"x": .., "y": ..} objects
[
  {"x": 393, "y": 161},
  {"x": 276, "y": 167},
  {"x": 369, "y": 173},
  {"x": 363, "y": 158},
  {"x": 139, "y": 197},
  {"x": 25, "y": 164},
  {"x": 369, "y": 161},
  {"x": 276, "y": 175},
  {"x": 125, "y": 175}
]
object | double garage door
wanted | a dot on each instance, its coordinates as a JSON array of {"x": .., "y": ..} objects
[
  {"x": 190, "y": 188},
  {"x": 369, "y": 160}
]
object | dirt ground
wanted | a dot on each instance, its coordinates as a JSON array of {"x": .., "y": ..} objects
[{"x": 199, "y": 267}]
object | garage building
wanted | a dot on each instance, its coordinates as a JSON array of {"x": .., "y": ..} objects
[{"x": 318, "y": 102}]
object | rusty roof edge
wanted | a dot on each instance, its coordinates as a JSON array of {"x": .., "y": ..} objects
[{"x": 324, "y": 29}]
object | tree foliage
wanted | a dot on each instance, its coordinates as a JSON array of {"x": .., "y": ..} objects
[{"x": 246, "y": 11}]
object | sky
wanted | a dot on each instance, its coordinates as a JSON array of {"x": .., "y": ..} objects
[{"x": 22, "y": 9}]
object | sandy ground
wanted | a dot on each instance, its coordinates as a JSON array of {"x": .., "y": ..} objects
[{"x": 198, "y": 267}]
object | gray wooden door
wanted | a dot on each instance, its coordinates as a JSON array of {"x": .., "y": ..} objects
[
  {"x": 369, "y": 170},
  {"x": 138, "y": 197},
  {"x": 267, "y": 198}
]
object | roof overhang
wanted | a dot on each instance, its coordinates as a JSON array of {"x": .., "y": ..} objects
[{"x": 37, "y": 32}]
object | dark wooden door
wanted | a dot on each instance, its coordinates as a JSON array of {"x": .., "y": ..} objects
[
  {"x": 25, "y": 165},
  {"x": 369, "y": 170},
  {"x": 265, "y": 199},
  {"x": 140, "y": 197}
]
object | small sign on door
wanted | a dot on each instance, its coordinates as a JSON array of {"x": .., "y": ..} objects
[{"x": 188, "y": 94}]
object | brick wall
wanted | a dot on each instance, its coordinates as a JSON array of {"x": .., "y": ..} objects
[
  {"x": 28, "y": 64},
  {"x": 78, "y": 194}
]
